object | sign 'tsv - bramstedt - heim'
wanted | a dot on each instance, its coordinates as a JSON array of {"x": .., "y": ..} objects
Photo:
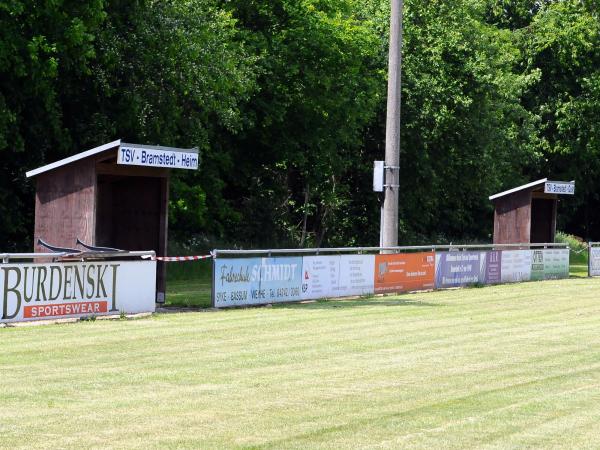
[{"x": 156, "y": 156}]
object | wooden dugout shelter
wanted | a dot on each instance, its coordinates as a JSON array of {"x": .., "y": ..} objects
[
  {"x": 115, "y": 195},
  {"x": 527, "y": 213}
]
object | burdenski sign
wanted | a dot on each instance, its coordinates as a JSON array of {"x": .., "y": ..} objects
[{"x": 47, "y": 291}]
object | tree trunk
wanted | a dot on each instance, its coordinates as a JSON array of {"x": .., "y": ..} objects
[{"x": 305, "y": 219}]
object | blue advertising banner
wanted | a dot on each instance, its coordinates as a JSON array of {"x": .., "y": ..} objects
[
  {"x": 255, "y": 281},
  {"x": 453, "y": 269}
]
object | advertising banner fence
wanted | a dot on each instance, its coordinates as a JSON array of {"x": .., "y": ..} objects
[
  {"x": 404, "y": 272},
  {"x": 356, "y": 275},
  {"x": 76, "y": 289},
  {"x": 337, "y": 276},
  {"x": 320, "y": 276},
  {"x": 256, "y": 280},
  {"x": 515, "y": 266},
  {"x": 550, "y": 264},
  {"x": 454, "y": 269},
  {"x": 594, "y": 263},
  {"x": 493, "y": 267},
  {"x": 252, "y": 281}
]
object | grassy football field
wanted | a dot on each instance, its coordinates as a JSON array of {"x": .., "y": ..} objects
[{"x": 512, "y": 366}]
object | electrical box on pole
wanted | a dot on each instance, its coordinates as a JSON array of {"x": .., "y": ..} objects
[{"x": 378, "y": 176}]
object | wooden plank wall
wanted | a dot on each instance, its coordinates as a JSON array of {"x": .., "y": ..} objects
[
  {"x": 161, "y": 267},
  {"x": 65, "y": 205},
  {"x": 512, "y": 218}
]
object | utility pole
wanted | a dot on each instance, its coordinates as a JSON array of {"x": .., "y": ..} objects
[{"x": 389, "y": 216}]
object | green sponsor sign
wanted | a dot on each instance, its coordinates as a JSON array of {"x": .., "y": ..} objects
[{"x": 550, "y": 264}]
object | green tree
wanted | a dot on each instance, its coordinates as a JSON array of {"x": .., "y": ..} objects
[
  {"x": 77, "y": 74},
  {"x": 562, "y": 44},
  {"x": 319, "y": 88},
  {"x": 42, "y": 43},
  {"x": 464, "y": 132}
]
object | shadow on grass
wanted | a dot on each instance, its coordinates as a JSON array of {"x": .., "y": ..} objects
[
  {"x": 306, "y": 304},
  {"x": 355, "y": 303}
]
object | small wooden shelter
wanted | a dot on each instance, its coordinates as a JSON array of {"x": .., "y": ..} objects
[
  {"x": 115, "y": 195},
  {"x": 527, "y": 214}
]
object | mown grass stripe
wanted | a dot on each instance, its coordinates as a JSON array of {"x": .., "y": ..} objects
[{"x": 504, "y": 366}]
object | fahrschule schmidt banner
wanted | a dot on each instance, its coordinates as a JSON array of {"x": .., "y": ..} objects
[
  {"x": 253, "y": 281},
  {"x": 76, "y": 289}
]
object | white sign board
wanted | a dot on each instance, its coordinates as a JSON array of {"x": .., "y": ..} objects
[
  {"x": 337, "y": 276},
  {"x": 515, "y": 266},
  {"x": 320, "y": 276},
  {"x": 76, "y": 289},
  {"x": 151, "y": 156},
  {"x": 594, "y": 262},
  {"x": 559, "y": 187},
  {"x": 357, "y": 275}
]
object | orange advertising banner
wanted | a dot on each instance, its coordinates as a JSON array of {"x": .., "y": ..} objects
[
  {"x": 404, "y": 272},
  {"x": 65, "y": 309}
]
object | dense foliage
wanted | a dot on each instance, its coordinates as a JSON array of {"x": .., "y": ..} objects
[{"x": 286, "y": 101}]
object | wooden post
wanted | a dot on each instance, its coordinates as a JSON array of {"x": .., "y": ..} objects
[{"x": 389, "y": 222}]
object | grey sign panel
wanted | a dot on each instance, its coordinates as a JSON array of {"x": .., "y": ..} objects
[{"x": 559, "y": 187}]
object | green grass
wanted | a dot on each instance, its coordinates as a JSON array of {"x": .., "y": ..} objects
[
  {"x": 514, "y": 366},
  {"x": 191, "y": 293},
  {"x": 576, "y": 270},
  {"x": 578, "y": 264},
  {"x": 189, "y": 284}
]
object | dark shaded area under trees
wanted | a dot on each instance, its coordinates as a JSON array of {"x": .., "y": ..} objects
[{"x": 286, "y": 101}]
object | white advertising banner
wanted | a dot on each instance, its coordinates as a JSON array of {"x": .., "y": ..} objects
[
  {"x": 357, "y": 275},
  {"x": 337, "y": 276},
  {"x": 320, "y": 276},
  {"x": 153, "y": 156},
  {"x": 76, "y": 289},
  {"x": 594, "y": 262},
  {"x": 515, "y": 266}
]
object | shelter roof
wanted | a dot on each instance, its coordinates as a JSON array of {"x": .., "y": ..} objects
[
  {"x": 531, "y": 185},
  {"x": 72, "y": 159},
  {"x": 97, "y": 150}
]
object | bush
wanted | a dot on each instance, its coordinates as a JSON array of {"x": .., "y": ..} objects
[{"x": 578, "y": 247}]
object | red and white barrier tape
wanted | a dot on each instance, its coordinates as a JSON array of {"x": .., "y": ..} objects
[{"x": 180, "y": 258}]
